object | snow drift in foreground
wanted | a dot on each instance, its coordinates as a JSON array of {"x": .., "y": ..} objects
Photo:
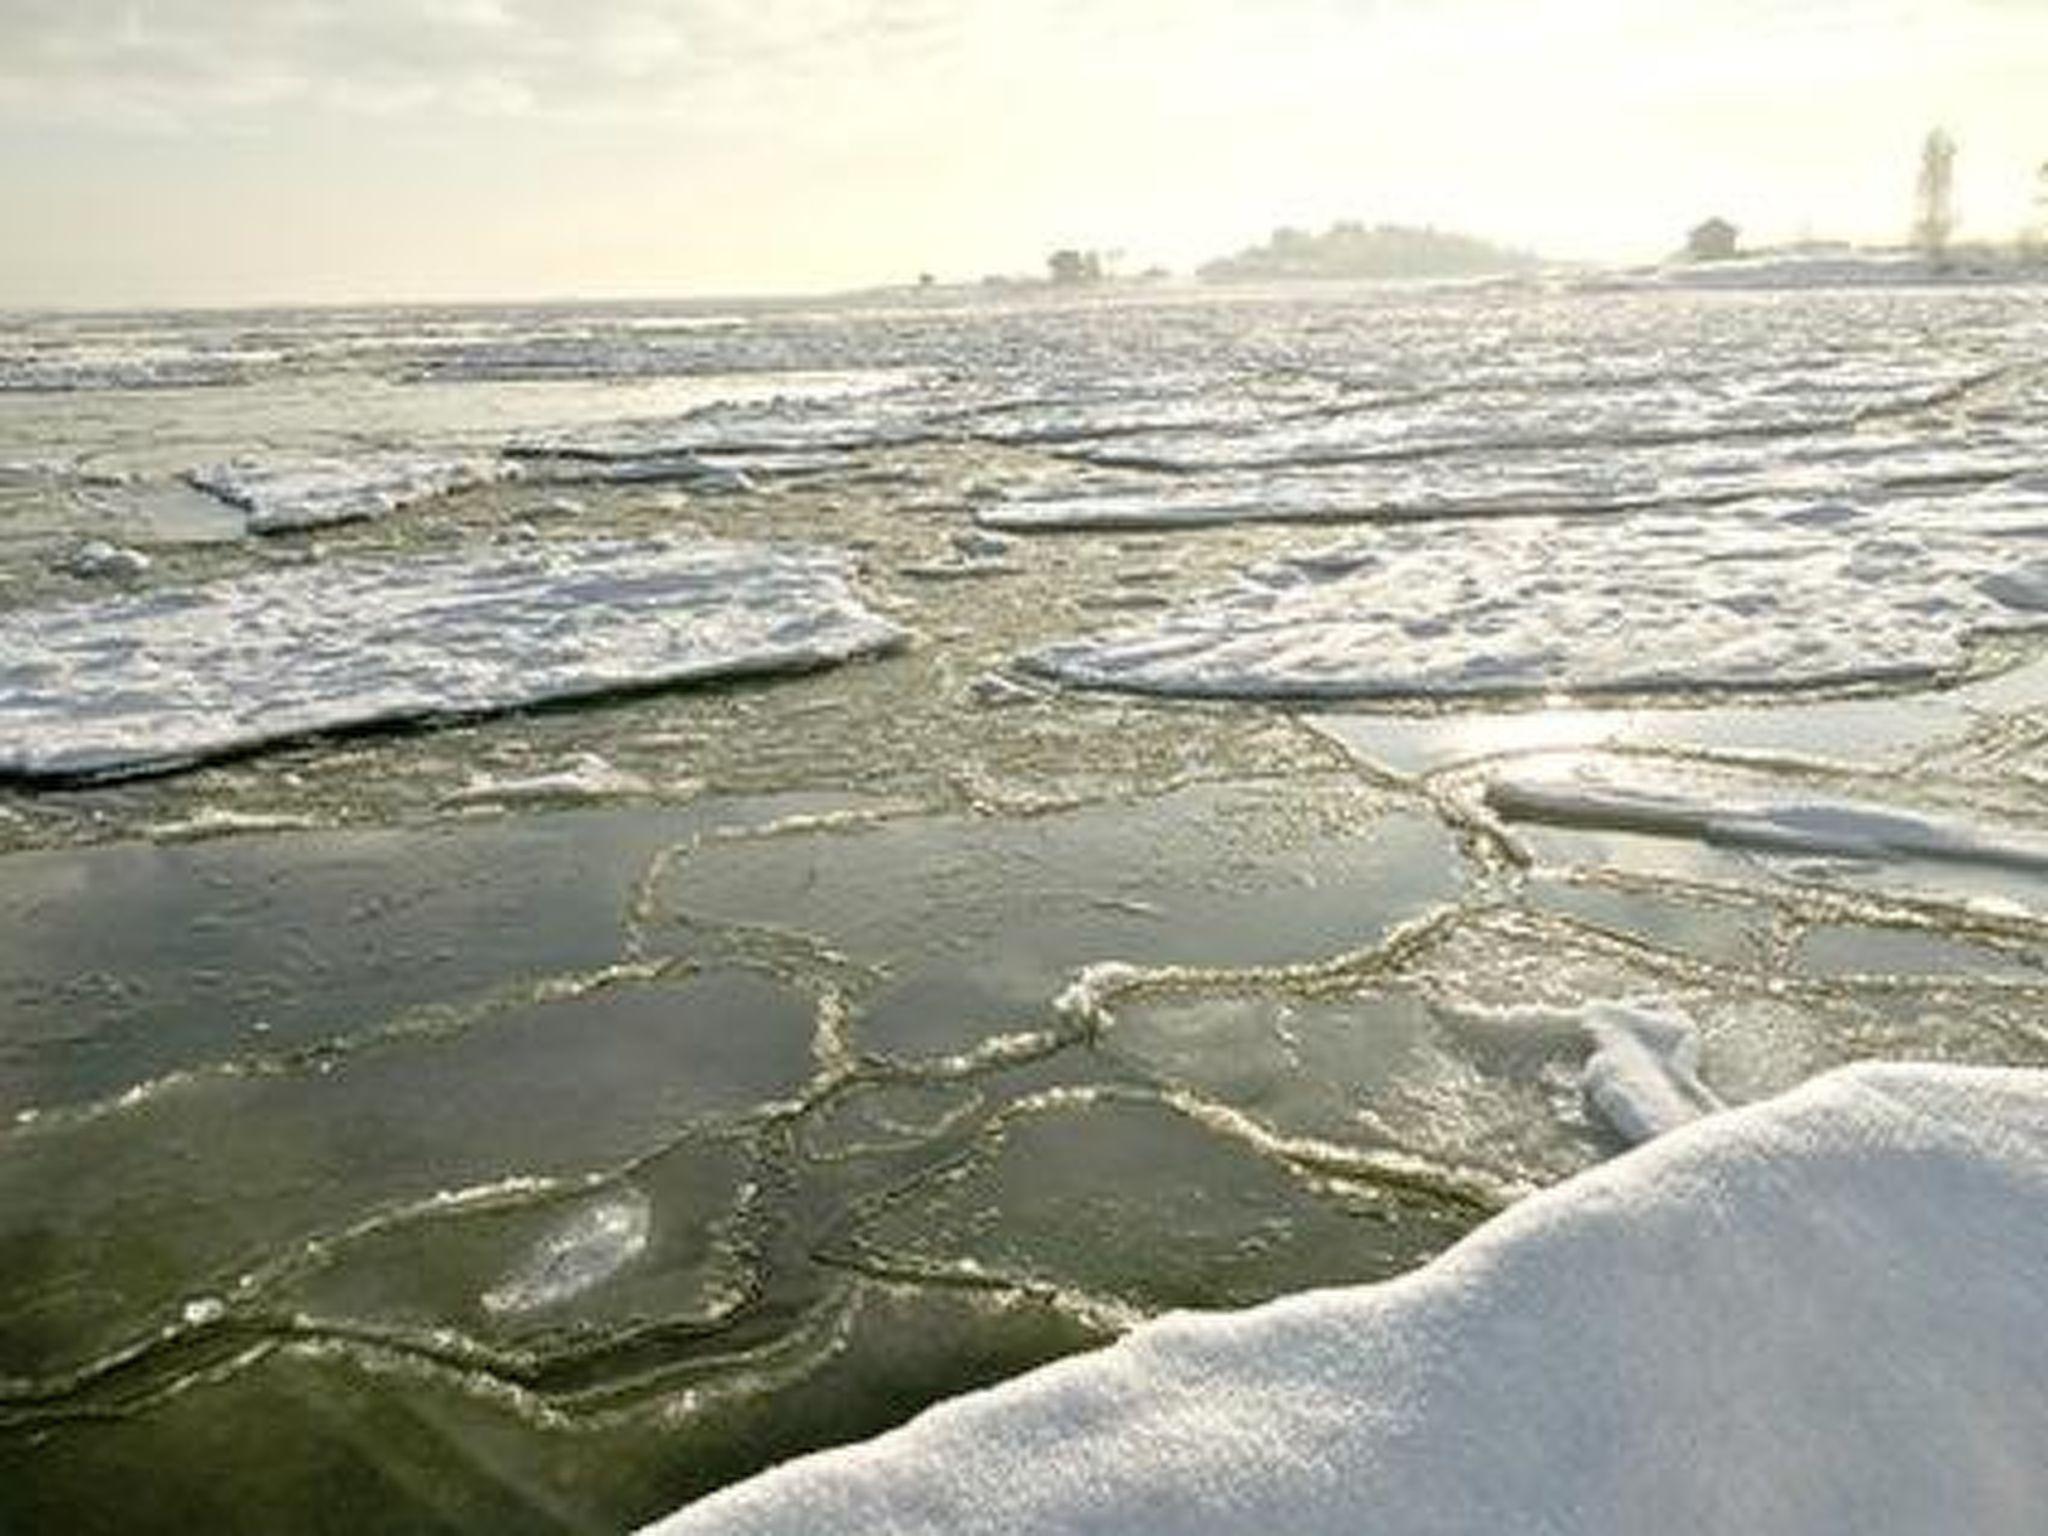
[
  {"x": 1772, "y": 596},
  {"x": 156, "y": 680},
  {"x": 1820, "y": 1313}
]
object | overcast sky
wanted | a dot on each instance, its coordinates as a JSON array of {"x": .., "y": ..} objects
[{"x": 228, "y": 150}]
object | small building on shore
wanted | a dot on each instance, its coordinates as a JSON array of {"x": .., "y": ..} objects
[{"x": 1712, "y": 241}]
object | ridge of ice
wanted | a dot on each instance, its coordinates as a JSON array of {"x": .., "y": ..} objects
[
  {"x": 1822, "y": 1312},
  {"x": 1802, "y": 824},
  {"x": 161, "y": 679},
  {"x": 289, "y": 492},
  {"x": 1641, "y": 1075}
]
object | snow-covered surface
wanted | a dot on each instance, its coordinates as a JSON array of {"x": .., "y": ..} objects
[
  {"x": 1767, "y": 595},
  {"x": 290, "y": 492},
  {"x": 164, "y": 678},
  {"x": 1819, "y": 1313}
]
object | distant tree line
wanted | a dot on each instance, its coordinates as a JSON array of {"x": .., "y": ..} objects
[{"x": 1350, "y": 249}]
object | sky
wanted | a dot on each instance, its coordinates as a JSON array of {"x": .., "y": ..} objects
[{"x": 225, "y": 151}]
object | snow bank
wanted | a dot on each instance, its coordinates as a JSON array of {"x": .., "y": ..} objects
[
  {"x": 1821, "y": 1313},
  {"x": 292, "y": 492},
  {"x": 1767, "y": 596},
  {"x": 161, "y": 679}
]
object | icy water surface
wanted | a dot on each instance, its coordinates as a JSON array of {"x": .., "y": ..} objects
[{"x": 593, "y": 898}]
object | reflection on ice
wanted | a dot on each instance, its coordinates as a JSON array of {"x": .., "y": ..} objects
[{"x": 583, "y": 1251}]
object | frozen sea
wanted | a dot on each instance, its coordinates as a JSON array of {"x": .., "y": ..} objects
[{"x": 596, "y": 898}]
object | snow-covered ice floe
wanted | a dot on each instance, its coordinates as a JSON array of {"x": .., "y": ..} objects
[
  {"x": 1582, "y": 482},
  {"x": 292, "y": 492},
  {"x": 1819, "y": 1313},
  {"x": 1767, "y": 596},
  {"x": 157, "y": 680}
]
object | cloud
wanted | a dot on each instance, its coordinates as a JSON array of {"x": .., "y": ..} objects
[{"x": 185, "y": 60}]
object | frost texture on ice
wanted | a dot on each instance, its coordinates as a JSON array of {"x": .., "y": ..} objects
[
  {"x": 287, "y": 493},
  {"x": 1820, "y": 1313},
  {"x": 588, "y": 1248},
  {"x": 160, "y": 679},
  {"x": 1766, "y": 596}
]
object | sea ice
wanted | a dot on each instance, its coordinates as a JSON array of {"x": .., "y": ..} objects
[
  {"x": 1767, "y": 596},
  {"x": 291, "y": 492},
  {"x": 1818, "y": 1313},
  {"x": 158, "y": 680}
]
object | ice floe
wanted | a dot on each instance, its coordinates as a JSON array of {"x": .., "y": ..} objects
[
  {"x": 96, "y": 557},
  {"x": 1578, "y": 482},
  {"x": 1523, "y": 416},
  {"x": 94, "y": 369},
  {"x": 1821, "y": 1312},
  {"x": 156, "y": 680},
  {"x": 1766, "y": 596},
  {"x": 292, "y": 492}
]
